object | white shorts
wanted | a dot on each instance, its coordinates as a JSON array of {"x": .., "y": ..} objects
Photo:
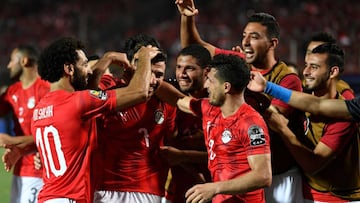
[
  {"x": 312, "y": 201},
  {"x": 285, "y": 188},
  {"x": 25, "y": 189},
  {"x": 60, "y": 200},
  {"x": 125, "y": 197}
]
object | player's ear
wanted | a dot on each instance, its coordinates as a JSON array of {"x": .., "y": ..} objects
[
  {"x": 27, "y": 62},
  {"x": 334, "y": 71},
  {"x": 24, "y": 61},
  {"x": 206, "y": 71},
  {"x": 227, "y": 87},
  {"x": 274, "y": 42},
  {"x": 69, "y": 69}
]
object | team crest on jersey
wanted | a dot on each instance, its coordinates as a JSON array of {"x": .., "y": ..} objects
[
  {"x": 99, "y": 94},
  {"x": 31, "y": 103},
  {"x": 226, "y": 136},
  {"x": 159, "y": 117},
  {"x": 256, "y": 135},
  {"x": 14, "y": 98}
]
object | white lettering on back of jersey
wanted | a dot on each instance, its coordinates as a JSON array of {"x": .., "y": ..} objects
[{"x": 42, "y": 113}]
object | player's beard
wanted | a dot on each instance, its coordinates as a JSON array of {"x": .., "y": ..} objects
[
  {"x": 319, "y": 84},
  {"x": 79, "y": 81},
  {"x": 15, "y": 72},
  {"x": 194, "y": 86},
  {"x": 216, "y": 100}
]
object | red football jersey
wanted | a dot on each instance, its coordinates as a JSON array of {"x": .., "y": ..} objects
[
  {"x": 22, "y": 103},
  {"x": 230, "y": 141},
  {"x": 189, "y": 137},
  {"x": 64, "y": 129},
  {"x": 130, "y": 141}
]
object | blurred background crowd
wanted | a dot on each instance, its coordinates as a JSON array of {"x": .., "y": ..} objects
[{"x": 104, "y": 25}]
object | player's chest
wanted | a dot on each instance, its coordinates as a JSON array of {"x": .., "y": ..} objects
[
  {"x": 23, "y": 102},
  {"x": 152, "y": 115}
]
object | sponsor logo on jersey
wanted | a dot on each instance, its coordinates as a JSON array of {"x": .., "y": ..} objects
[
  {"x": 98, "y": 94},
  {"x": 159, "y": 117},
  {"x": 256, "y": 135},
  {"x": 226, "y": 136},
  {"x": 31, "y": 103}
]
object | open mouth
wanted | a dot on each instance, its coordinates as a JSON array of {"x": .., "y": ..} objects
[
  {"x": 249, "y": 53},
  {"x": 183, "y": 82}
]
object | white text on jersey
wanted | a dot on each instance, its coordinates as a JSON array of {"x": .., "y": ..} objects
[{"x": 43, "y": 113}]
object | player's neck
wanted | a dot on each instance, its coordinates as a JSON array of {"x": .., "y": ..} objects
[
  {"x": 28, "y": 77},
  {"x": 231, "y": 104},
  {"x": 266, "y": 64},
  {"x": 327, "y": 92},
  {"x": 62, "y": 84},
  {"x": 199, "y": 94}
]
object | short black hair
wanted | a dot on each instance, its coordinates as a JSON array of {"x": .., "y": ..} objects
[
  {"x": 320, "y": 36},
  {"x": 199, "y": 52},
  {"x": 58, "y": 53},
  {"x": 30, "y": 51},
  {"x": 232, "y": 69},
  {"x": 269, "y": 21},
  {"x": 134, "y": 43},
  {"x": 336, "y": 56}
]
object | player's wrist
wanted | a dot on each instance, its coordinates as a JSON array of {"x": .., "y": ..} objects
[{"x": 278, "y": 92}]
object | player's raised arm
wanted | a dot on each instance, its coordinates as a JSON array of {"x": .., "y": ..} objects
[
  {"x": 188, "y": 30},
  {"x": 305, "y": 102}
]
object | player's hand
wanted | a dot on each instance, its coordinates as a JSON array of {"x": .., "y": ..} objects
[
  {"x": 237, "y": 49},
  {"x": 257, "y": 82},
  {"x": 186, "y": 7},
  {"x": 171, "y": 154},
  {"x": 144, "y": 53},
  {"x": 276, "y": 121},
  {"x": 37, "y": 161},
  {"x": 201, "y": 193},
  {"x": 11, "y": 155},
  {"x": 119, "y": 59}
]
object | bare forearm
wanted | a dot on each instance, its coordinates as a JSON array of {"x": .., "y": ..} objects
[
  {"x": 168, "y": 93},
  {"x": 25, "y": 144},
  {"x": 306, "y": 158},
  {"x": 190, "y": 35},
  {"x": 248, "y": 182},
  {"x": 188, "y": 32},
  {"x": 21, "y": 141},
  {"x": 28, "y": 149},
  {"x": 137, "y": 90},
  {"x": 98, "y": 70},
  {"x": 318, "y": 106},
  {"x": 193, "y": 156},
  {"x": 103, "y": 64},
  {"x": 25, "y": 141},
  {"x": 309, "y": 103}
]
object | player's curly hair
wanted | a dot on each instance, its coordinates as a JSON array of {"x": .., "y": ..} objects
[
  {"x": 58, "y": 53},
  {"x": 232, "y": 69}
]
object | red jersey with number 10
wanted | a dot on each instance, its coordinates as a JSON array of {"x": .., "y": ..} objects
[{"x": 64, "y": 129}]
